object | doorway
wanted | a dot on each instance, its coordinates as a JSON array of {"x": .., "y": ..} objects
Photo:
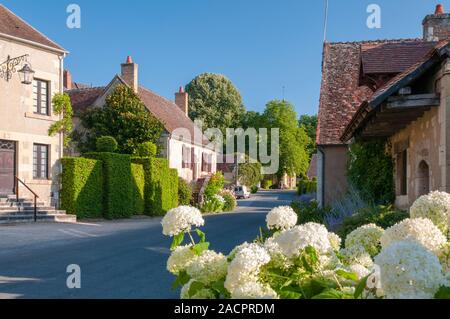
[
  {"x": 424, "y": 179},
  {"x": 7, "y": 167}
]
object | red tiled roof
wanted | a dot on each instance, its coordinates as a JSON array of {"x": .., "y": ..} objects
[
  {"x": 12, "y": 25},
  {"x": 166, "y": 111},
  {"x": 312, "y": 170},
  {"x": 341, "y": 94},
  {"x": 385, "y": 58},
  {"x": 83, "y": 98}
]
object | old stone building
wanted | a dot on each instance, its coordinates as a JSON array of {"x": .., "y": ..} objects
[{"x": 397, "y": 90}]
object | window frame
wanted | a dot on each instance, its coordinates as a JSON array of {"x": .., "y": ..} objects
[
  {"x": 37, "y": 109},
  {"x": 37, "y": 162}
]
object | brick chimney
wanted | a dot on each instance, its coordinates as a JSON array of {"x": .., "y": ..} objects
[
  {"x": 182, "y": 100},
  {"x": 436, "y": 26},
  {"x": 68, "y": 84},
  {"x": 130, "y": 74}
]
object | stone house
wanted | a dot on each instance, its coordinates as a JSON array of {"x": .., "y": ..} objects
[
  {"x": 183, "y": 143},
  {"x": 397, "y": 90},
  {"x": 26, "y": 150}
]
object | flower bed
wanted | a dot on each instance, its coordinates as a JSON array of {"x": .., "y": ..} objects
[{"x": 407, "y": 261}]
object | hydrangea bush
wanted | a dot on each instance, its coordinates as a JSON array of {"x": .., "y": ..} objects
[
  {"x": 289, "y": 261},
  {"x": 434, "y": 206}
]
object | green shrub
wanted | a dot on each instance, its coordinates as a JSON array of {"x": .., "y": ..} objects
[
  {"x": 117, "y": 184},
  {"x": 161, "y": 186},
  {"x": 147, "y": 149},
  {"x": 106, "y": 144},
  {"x": 310, "y": 212},
  {"x": 82, "y": 187},
  {"x": 230, "y": 201},
  {"x": 266, "y": 184},
  {"x": 215, "y": 185},
  {"x": 383, "y": 216},
  {"x": 138, "y": 173},
  {"x": 212, "y": 205},
  {"x": 184, "y": 192},
  {"x": 254, "y": 189},
  {"x": 306, "y": 186}
]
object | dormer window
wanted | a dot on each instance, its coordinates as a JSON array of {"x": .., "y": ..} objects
[{"x": 41, "y": 99}]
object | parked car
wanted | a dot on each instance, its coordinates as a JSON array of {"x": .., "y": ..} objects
[{"x": 242, "y": 192}]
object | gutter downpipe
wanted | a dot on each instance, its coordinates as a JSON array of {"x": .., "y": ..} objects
[
  {"x": 322, "y": 177},
  {"x": 61, "y": 135}
]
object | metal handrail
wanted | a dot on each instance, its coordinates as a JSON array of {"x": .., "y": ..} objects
[{"x": 18, "y": 180}]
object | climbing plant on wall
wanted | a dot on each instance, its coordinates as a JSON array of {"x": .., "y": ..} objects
[{"x": 370, "y": 170}]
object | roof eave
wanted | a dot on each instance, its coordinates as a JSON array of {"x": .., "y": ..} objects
[{"x": 62, "y": 51}]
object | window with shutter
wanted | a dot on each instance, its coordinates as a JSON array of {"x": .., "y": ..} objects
[{"x": 41, "y": 97}]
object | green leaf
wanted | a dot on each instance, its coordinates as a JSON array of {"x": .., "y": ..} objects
[
  {"x": 195, "y": 287},
  {"x": 177, "y": 241},
  {"x": 443, "y": 293},
  {"x": 290, "y": 293},
  {"x": 182, "y": 279},
  {"x": 361, "y": 287},
  {"x": 200, "y": 248},
  {"x": 330, "y": 294},
  {"x": 347, "y": 275},
  {"x": 201, "y": 235}
]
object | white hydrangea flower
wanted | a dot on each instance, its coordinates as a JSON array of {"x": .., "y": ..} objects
[
  {"x": 180, "y": 259},
  {"x": 201, "y": 294},
  {"x": 367, "y": 236},
  {"x": 420, "y": 230},
  {"x": 181, "y": 219},
  {"x": 360, "y": 270},
  {"x": 208, "y": 268},
  {"x": 409, "y": 271},
  {"x": 220, "y": 199},
  {"x": 356, "y": 255},
  {"x": 434, "y": 206},
  {"x": 294, "y": 240},
  {"x": 335, "y": 241},
  {"x": 281, "y": 218},
  {"x": 246, "y": 266},
  {"x": 276, "y": 254},
  {"x": 253, "y": 290}
]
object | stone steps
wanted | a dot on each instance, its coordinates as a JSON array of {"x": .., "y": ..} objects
[{"x": 22, "y": 211}]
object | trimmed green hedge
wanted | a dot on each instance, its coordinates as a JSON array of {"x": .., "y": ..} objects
[
  {"x": 82, "y": 187},
  {"x": 117, "y": 185},
  {"x": 161, "y": 186},
  {"x": 307, "y": 187},
  {"x": 138, "y": 172}
]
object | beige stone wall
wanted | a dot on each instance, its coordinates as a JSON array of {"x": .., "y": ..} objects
[
  {"x": 19, "y": 124},
  {"x": 426, "y": 140}
]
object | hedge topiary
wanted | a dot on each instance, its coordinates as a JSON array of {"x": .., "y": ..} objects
[
  {"x": 184, "y": 192},
  {"x": 161, "y": 186},
  {"x": 82, "y": 187},
  {"x": 138, "y": 173},
  {"x": 106, "y": 144},
  {"x": 215, "y": 185},
  {"x": 266, "y": 184},
  {"x": 117, "y": 184},
  {"x": 147, "y": 149}
]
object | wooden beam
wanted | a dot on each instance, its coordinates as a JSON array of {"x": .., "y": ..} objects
[{"x": 413, "y": 101}]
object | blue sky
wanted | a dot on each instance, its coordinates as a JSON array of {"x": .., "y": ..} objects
[{"x": 261, "y": 45}]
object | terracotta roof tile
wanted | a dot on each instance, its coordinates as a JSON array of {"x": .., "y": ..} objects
[
  {"x": 12, "y": 25},
  {"x": 83, "y": 98},
  {"x": 341, "y": 94}
]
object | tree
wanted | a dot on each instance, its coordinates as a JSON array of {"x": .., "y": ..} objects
[
  {"x": 215, "y": 100},
  {"x": 309, "y": 124},
  {"x": 250, "y": 174},
  {"x": 123, "y": 117},
  {"x": 294, "y": 158}
]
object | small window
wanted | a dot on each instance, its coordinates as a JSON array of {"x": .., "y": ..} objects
[
  {"x": 40, "y": 161},
  {"x": 41, "y": 97},
  {"x": 402, "y": 172}
]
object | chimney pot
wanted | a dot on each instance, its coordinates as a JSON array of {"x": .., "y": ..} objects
[
  {"x": 182, "y": 100},
  {"x": 130, "y": 74},
  {"x": 67, "y": 80},
  {"x": 439, "y": 9}
]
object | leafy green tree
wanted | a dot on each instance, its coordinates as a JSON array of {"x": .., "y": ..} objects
[
  {"x": 123, "y": 117},
  {"x": 250, "y": 174},
  {"x": 216, "y": 101},
  {"x": 309, "y": 124},
  {"x": 294, "y": 157}
]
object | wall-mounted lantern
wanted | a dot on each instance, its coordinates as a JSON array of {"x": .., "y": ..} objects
[{"x": 9, "y": 67}]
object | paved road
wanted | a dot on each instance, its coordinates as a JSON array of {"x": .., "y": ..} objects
[{"x": 124, "y": 259}]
